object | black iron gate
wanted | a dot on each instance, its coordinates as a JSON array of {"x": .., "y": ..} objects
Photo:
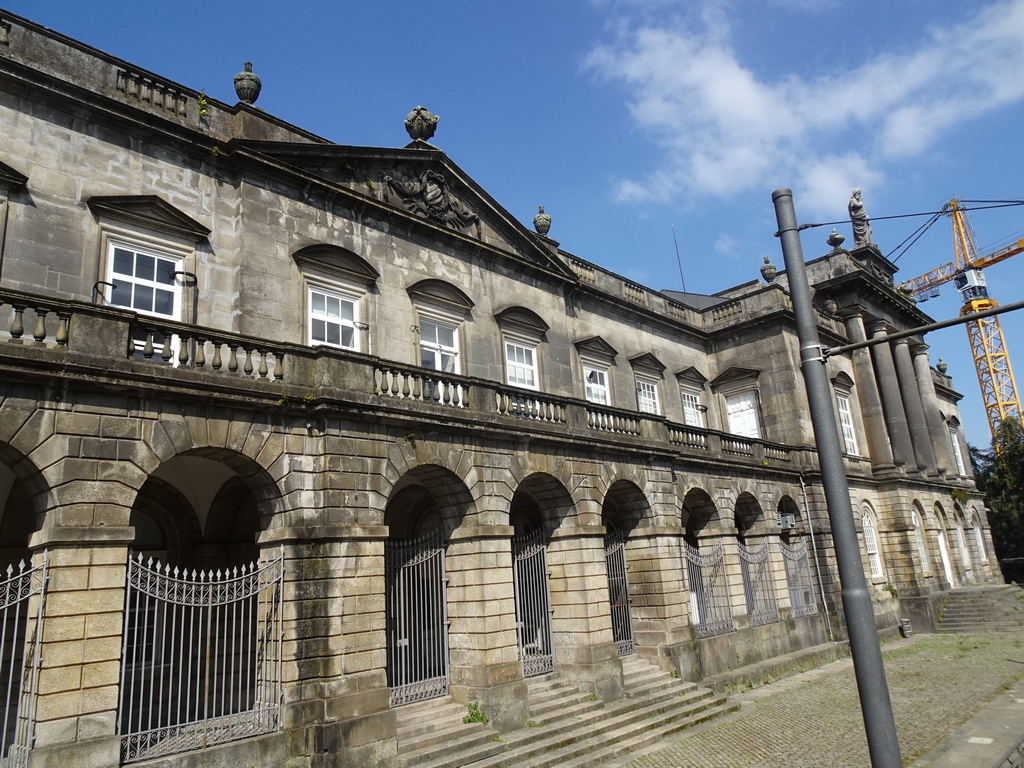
[
  {"x": 758, "y": 584},
  {"x": 533, "y": 604},
  {"x": 618, "y": 592},
  {"x": 709, "y": 592},
  {"x": 417, "y": 619}
]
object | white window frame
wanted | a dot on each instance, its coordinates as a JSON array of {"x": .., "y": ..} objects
[
  {"x": 958, "y": 456},
  {"x": 446, "y": 358},
  {"x": 521, "y": 362},
  {"x": 694, "y": 410},
  {"x": 919, "y": 541},
  {"x": 343, "y": 294},
  {"x": 752, "y": 428},
  {"x": 596, "y": 388},
  {"x": 872, "y": 544},
  {"x": 844, "y": 409},
  {"x": 961, "y": 541},
  {"x": 174, "y": 261},
  {"x": 647, "y": 396}
]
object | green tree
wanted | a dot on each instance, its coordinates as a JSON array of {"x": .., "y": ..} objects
[{"x": 1000, "y": 474}]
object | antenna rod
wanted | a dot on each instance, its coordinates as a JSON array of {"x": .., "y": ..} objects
[{"x": 679, "y": 261}]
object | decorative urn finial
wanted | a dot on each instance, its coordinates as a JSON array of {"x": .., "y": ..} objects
[
  {"x": 942, "y": 367},
  {"x": 768, "y": 271},
  {"x": 835, "y": 239},
  {"x": 247, "y": 85},
  {"x": 541, "y": 222},
  {"x": 421, "y": 124}
]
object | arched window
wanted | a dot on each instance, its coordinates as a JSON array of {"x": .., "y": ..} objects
[
  {"x": 871, "y": 543},
  {"x": 922, "y": 550}
]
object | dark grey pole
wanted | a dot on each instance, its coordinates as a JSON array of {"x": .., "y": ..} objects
[{"x": 860, "y": 619}]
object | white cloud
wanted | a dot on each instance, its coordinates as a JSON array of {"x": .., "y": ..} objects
[{"x": 726, "y": 128}]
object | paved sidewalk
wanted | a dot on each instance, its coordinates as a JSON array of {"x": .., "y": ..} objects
[{"x": 937, "y": 683}]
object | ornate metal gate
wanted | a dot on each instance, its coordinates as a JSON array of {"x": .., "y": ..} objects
[
  {"x": 533, "y": 604},
  {"x": 201, "y": 663},
  {"x": 798, "y": 578},
  {"x": 618, "y": 592},
  {"x": 758, "y": 584},
  {"x": 709, "y": 593},
  {"x": 22, "y": 593},
  {"x": 417, "y": 618}
]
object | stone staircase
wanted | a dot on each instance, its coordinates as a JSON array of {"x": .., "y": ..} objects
[
  {"x": 983, "y": 608},
  {"x": 566, "y": 728}
]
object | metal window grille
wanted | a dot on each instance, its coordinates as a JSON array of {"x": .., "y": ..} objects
[
  {"x": 709, "y": 593},
  {"x": 22, "y": 594},
  {"x": 618, "y": 592},
  {"x": 758, "y": 585},
  {"x": 798, "y": 578},
  {"x": 417, "y": 618},
  {"x": 533, "y": 604},
  {"x": 201, "y": 663}
]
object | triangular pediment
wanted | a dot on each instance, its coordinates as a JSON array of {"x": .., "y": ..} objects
[
  {"x": 692, "y": 376},
  {"x": 595, "y": 346},
  {"x": 149, "y": 212},
  {"x": 10, "y": 178},
  {"x": 648, "y": 362},
  {"x": 419, "y": 184}
]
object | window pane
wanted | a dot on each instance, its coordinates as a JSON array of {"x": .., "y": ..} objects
[
  {"x": 143, "y": 298},
  {"x": 121, "y": 294},
  {"x": 319, "y": 303},
  {"x": 145, "y": 267},
  {"x": 333, "y": 334},
  {"x": 445, "y": 336},
  {"x": 124, "y": 261},
  {"x": 164, "y": 302},
  {"x": 428, "y": 358},
  {"x": 165, "y": 271},
  {"x": 319, "y": 330}
]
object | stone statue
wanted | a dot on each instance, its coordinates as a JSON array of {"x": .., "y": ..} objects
[
  {"x": 859, "y": 220},
  {"x": 429, "y": 195}
]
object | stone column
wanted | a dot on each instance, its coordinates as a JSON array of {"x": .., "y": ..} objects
[
  {"x": 867, "y": 394},
  {"x": 914, "y": 407},
  {"x": 892, "y": 402},
  {"x": 932, "y": 410},
  {"x": 484, "y": 658},
  {"x": 585, "y": 651},
  {"x": 80, "y": 670},
  {"x": 336, "y": 699}
]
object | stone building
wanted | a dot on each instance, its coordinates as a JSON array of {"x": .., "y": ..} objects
[{"x": 294, "y": 433}]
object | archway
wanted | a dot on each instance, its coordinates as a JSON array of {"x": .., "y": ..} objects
[
  {"x": 755, "y": 562},
  {"x": 623, "y": 508},
  {"x": 710, "y": 609}
]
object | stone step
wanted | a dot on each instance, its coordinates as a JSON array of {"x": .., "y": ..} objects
[{"x": 989, "y": 608}]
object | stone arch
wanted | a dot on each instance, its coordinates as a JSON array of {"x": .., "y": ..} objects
[
  {"x": 540, "y": 501},
  {"x": 23, "y": 504},
  {"x": 625, "y": 507},
  {"x": 748, "y": 515},
  {"x": 700, "y": 515},
  {"x": 427, "y": 498},
  {"x": 409, "y": 453},
  {"x": 791, "y": 521}
]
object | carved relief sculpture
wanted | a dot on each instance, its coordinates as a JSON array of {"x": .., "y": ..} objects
[{"x": 429, "y": 196}]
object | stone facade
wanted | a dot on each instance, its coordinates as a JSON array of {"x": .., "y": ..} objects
[{"x": 228, "y": 340}]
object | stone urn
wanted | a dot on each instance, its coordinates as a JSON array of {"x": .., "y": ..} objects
[
  {"x": 421, "y": 124},
  {"x": 541, "y": 222},
  {"x": 247, "y": 85},
  {"x": 768, "y": 271}
]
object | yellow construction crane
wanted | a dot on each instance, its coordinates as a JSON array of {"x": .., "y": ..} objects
[{"x": 998, "y": 389}]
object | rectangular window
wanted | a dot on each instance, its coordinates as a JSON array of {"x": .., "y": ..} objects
[
  {"x": 742, "y": 411},
  {"x": 145, "y": 282},
  {"x": 332, "y": 319},
  {"x": 439, "y": 346},
  {"x": 647, "y": 396},
  {"x": 958, "y": 456},
  {"x": 596, "y": 384},
  {"x": 846, "y": 424},
  {"x": 693, "y": 409},
  {"x": 521, "y": 362}
]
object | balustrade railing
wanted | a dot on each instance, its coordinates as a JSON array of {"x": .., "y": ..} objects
[
  {"x": 691, "y": 437},
  {"x": 47, "y": 324},
  {"x": 738, "y": 446},
  {"x": 527, "y": 405},
  {"x": 610, "y": 421},
  {"x": 420, "y": 384},
  {"x": 184, "y": 347}
]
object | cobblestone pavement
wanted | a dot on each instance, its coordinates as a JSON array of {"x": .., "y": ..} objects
[{"x": 936, "y": 682}]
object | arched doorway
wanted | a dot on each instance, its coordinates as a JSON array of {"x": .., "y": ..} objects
[
  {"x": 416, "y": 587},
  {"x": 755, "y": 562},
  {"x": 947, "y": 565},
  {"x": 620, "y": 513},
  {"x": 710, "y": 610},
  {"x": 796, "y": 559}
]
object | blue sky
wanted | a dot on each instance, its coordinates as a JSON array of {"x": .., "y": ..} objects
[{"x": 625, "y": 118}]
